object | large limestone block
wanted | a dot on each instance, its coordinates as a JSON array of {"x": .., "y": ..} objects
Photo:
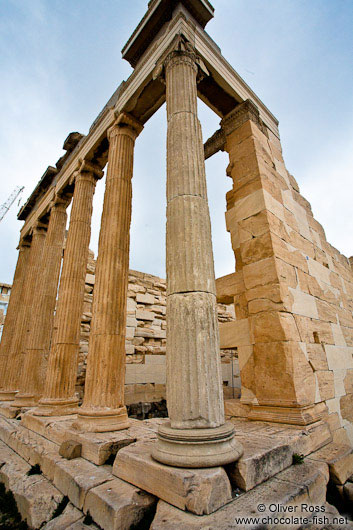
[
  {"x": 339, "y": 459},
  {"x": 244, "y": 208},
  {"x": 228, "y": 286},
  {"x": 283, "y": 375},
  {"x": 260, "y": 273},
  {"x": 69, "y": 516},
  {"x": 262, "y": 459},
  {"x": 326, "y": 384},
  {"x": 234, "y": 334},
  {"x": 339, "y": 357},
  {"x": 303, "y": 304},
  {"x": 76, "y": 477},
  {"x": 270, "y": 297},
  {"x": 317, "y": 356},
  {"x": 201, "y": 491},
  {"x": 36, "y": 499},
  {"x": 256, "y": 249},
  {"x": 274, "y": 327},
  {"x": 346, "y": 405},
  {"x": 291, "y": 487},
  {"x": 117, "y": 505}
]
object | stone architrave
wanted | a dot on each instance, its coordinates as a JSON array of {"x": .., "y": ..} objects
[
  {"x": 28, "y": 294},
  {"x": 59, "y": 392},
  {"x": 197, "y": 435},
  {"x": 103, "y": 406},
  {"x": 42, "y": 315},
  {"x": 11, "y": 324}
]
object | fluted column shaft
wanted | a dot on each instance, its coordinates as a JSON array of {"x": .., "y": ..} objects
[
  {"x": 42, "y": 314},
  {"x": 103, "y": 406},
  {"x": 197, "y": 435},
  {"x": 31, "y": 284},
  {"x": 194, "y": 387},
  {"x": 12, "y": 319},
  {"x": 59, "y": 391}
]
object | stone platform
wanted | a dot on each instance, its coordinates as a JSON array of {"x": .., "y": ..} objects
[{"x": 137, "y": 489}]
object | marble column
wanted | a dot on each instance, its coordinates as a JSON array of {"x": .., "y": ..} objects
[
  {"x": 42, "y": 314},
  {"x": 197, "y": 435},
  {"x": 25, "y": 307},
  {"x": 103, "y": 406},
  {"x": 59, "y": 392},
  {"x": 12, "y": 320}
]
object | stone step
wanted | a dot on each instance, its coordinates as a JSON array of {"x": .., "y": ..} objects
[
  {"x": 269, "y": 449},
  {"x": 296, "y": 488},
  {"x": 112, "y": 503},
  {"x": 36, "y": 497},
  {"x": 339, "y": 458},
  {"x": 96, "y": 447},
  {"x": 201, "y": 491}
]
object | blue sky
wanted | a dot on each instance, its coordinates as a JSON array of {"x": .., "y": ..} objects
[{"x": 60, "y": 61}]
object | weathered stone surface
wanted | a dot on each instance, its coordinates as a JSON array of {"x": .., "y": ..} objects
[
  {"x": 289, "y": 488},
  {"x": 200, "y": 491},
  {"x": 59, "y": 393},
  {"x": 75, "y": 478},
  {"x": 36, "y": 497},
  {"x": 339, "y": 459},
  {"x": 262, "y": 459},
  {"x": 70, "y": 449},
  {"x": 348, "y": 491},
  {"x": 117, "y": 505},
  {"x": 64, "y": 521}
]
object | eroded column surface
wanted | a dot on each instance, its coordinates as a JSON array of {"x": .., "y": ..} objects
[
  {"x": 31, "y": 283},
  {"x": 197, "y": 435},
  {"x": 42, "y": 315},
  {"x": 12, "y": 320},
  {"x": 103, "y": 407},
  {"x": 59, "y": 392}
]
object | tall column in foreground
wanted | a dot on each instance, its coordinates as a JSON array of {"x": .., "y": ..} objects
[
  {"x": 197, "y": 435},
  {"x": 12, "y": 319},
  {"x": 25, "y": 307},
  {"x": 59, "y": 393},
  {"x": 42, "y": 315},
  {"x": 103, "y": 407}
]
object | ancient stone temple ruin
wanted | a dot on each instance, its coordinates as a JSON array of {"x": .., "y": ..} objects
[{"x": 75, "y": 459}]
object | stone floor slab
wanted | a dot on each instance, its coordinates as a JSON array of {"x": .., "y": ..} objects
[
  {"x": 76, "y": 477},
  {"x": 117, "y": 505},
  {"x": 200, "y": 491}
]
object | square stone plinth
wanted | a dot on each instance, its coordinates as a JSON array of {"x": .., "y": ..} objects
[{"x": 200, "y": 491}]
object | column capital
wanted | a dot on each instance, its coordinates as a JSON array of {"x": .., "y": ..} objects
[
  {"x": 39, "y": 228},
  {"x": 181, "y": 52},
  {"x": 242, "y": 113},
  {"x": 60, "y": 202},
  {"x": 125, "y": 124},
  {"x": 87, "y": 170},
  {"x": 23, "y": 243}
]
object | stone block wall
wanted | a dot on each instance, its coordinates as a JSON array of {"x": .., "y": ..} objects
[
  {"x": 5, "y": 291},
  {"x": 146, "y": 339},
  {"x": 292, "y": 290}
]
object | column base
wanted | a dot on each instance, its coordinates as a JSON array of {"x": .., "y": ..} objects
[
  {"x": 8, "y": 395},
  {"x": 195, "y": 448},
  {"x": 56, "y": 407},
  {"x": 26, "y": 400},
  {"x": 290, "y": 415},
  {"x": 102, "y": 420}
]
